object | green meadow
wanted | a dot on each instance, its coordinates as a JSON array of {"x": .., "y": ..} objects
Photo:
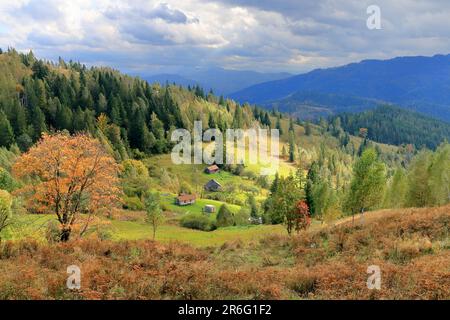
[
  {"x": 127, "y": 230},
  {"x": 34, "y": 227},
  {"x": 168, "y": 203}
]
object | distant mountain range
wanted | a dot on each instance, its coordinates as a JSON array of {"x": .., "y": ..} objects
[
  {"x": 170, "y": 78},
  {"x": 221, "y": 81},
  {"x": 417, "y": 83}
]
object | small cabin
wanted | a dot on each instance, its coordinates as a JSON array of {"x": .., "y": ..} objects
[
  {"x": 209, "y": 208},
  {"x": 212, "y": 169},
  {"x": 185, "y": 199},
  {"x": 213, "y": 186}
]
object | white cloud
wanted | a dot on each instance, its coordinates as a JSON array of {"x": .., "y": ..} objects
[{"x": 168, "y": 35}]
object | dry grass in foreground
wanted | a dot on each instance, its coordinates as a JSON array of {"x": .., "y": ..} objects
[{"x": 411, "y": 246}]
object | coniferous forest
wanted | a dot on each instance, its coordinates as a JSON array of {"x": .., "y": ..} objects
[
  {"x": 39, "y": 96},
  {"x": 392, "y": 125}
]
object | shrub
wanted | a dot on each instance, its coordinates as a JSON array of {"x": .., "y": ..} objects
[
  {"x": 24, "y": 142},
  {"x": 133, "y": 203},
  {"x": 407, "y": 249},
  {"x": 263, "y": 182},
  {"x": 135, "y": 178},
  {"x": 5, "y": 202},
  {"x": 186, "y": 188},
  {"x": 242, "y": 217},
  {"x": 303, "y": 284},
  {"x": 198, "y": 222},
  {"x": 249, "y": 174},
  {"x": 52, "y": 232},
  {"x": 137, "y": 154},
  {"x": 7, "y": 158},
  {"x": 5, "y": 210},
  {"x": 251, "y": 189},
  {"x": 104, "y": 234},
  {"x": 6, "y": 181},
  {"x": 165, "y": 207},
  {"x": 134, "y": 168},
  {"x": 238, "y": 170},
  {"x": 225, "y": 217}
]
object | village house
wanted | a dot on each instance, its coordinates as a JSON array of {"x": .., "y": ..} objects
[
  {"x": 213, "y": 186},
  {"x": 209, "y": 208},
  {"x": 212, "y": 169},
  {"x": 185, "y": 199}
]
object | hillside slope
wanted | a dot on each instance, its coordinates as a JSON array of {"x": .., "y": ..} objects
[
  {"x": 391, "y": 125},
  {"x": 310, "y": 105},
  {"x": 39, "y": 96},
  {"x": 418, "y": 83},
  {"x": 411, "y": 247}
]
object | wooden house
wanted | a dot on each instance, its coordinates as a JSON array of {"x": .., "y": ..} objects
[
  {"x": 209, "y": 208},
  {"x": 185, "y": 199},
  {"x": 213, "y": 186},
  {"x": 212, "y": 169}
]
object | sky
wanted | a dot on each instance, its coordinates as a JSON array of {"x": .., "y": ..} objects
[{"x": 152, "y": 36}]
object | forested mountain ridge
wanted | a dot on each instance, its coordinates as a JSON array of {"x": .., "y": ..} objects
[
  {"x": 310, "y": 105},
  {"x": 393, "y": 125},
  {"x": 133, "y": 116},
  {"x": 417, "y": 83}
]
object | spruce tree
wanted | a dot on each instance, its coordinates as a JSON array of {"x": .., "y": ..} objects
[
  {"x": 38, "y": 123},
  {"x": 211, "y": 121},
  {"x": 274, "y": 185},
  {"x": 238, "y": 119},
  {"x": 278, "y": 126},
  {"x": 291, "y": 146},
  {"x": 18, "y": 118},
  {"x": 308, "y": 129},
  {"x": 225, "y": 217},
  {"x": 6, "y": 131},
  {"x": 63, "y": 118},
  {"x": 253, "y": 207}
]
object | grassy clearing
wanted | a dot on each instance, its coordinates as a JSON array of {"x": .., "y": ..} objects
[
  {"x": 167, "y": 201},
  {"x": 127, "y": 230},
  {"x": 34, "y": 227},
  {"x": 192, "y": 173},
  {"x": 28, "y": 226}
]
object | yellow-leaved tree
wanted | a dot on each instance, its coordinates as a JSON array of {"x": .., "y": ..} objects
[{"x": 68, "y": 175}]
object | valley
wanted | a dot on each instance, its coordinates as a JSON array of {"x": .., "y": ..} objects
[
  {"x": 416, "y": 83},
  {"x": 87, "y": 178}
]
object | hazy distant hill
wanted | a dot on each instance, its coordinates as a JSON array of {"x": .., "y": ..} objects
[
  {"x": 222, "y": 81},
  {"x": 418, "y": 83},
  {"x": 170, "y": 79}
]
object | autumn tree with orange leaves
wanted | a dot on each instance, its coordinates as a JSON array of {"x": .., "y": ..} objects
[
  {"x": 302, "y": 218},
  {"x": 69, "y": 175}
]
